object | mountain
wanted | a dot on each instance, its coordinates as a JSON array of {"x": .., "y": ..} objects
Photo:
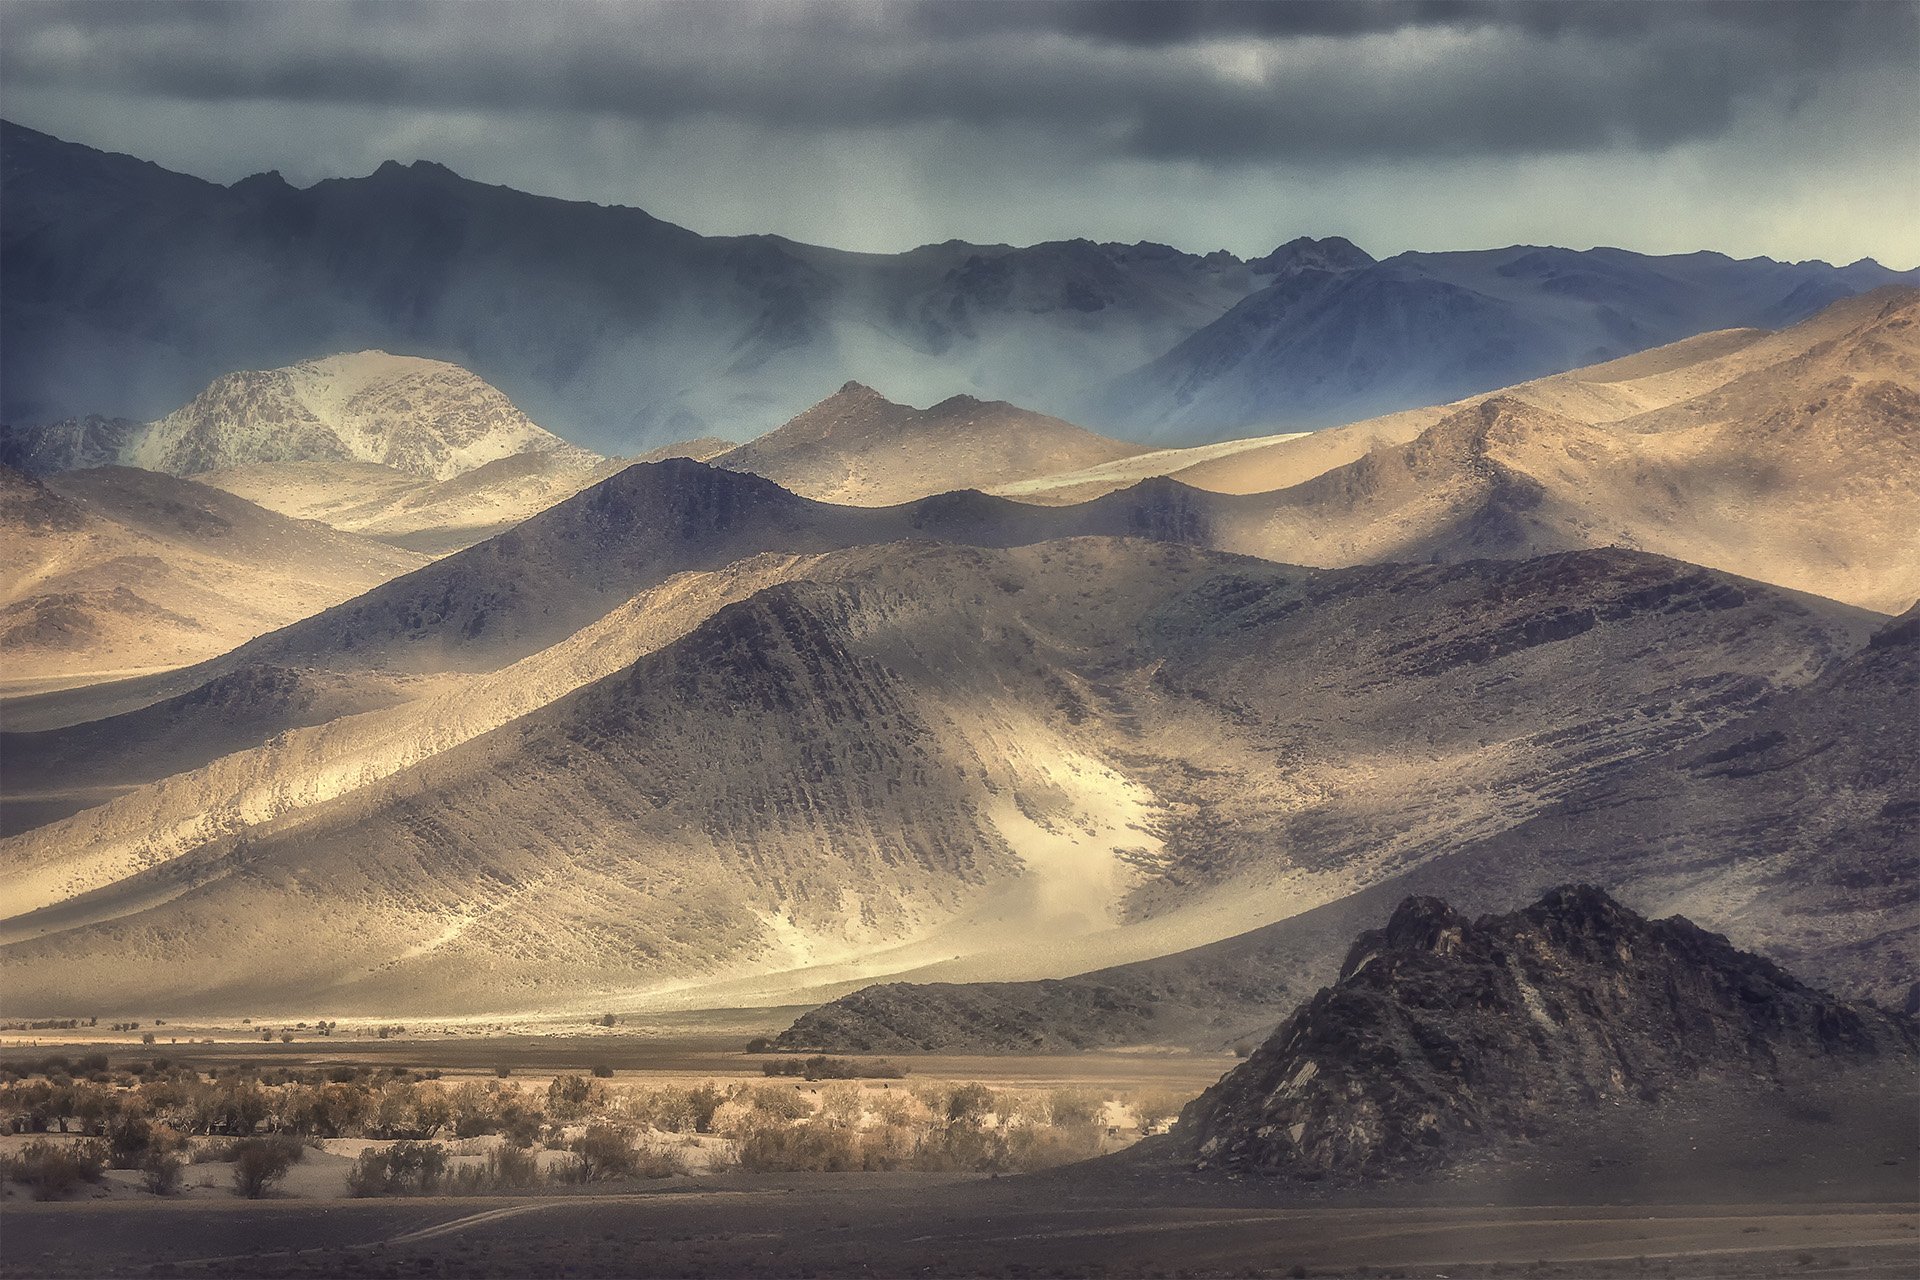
[
  {"x": 1610, "y": 392},
  {"x": 1343, "y": 339},
  {"x": 1798, "y": 472},
  {"x": 544, "y": 579},
  {"x": 1446, "y": 1037},
  {"x": 114, "y": 569},
  {"x": 617, "y": 329},
  {"x": 1791, "y": 827},
  {"x": 1038, "y": 760},
  {"x": 130, "y": 288},
  {"x": 53, "y": 773},
  {"x": 423, "y": 418},
  {"x": 1795, "y": 824},
  {"x": 858, "y": 447}
]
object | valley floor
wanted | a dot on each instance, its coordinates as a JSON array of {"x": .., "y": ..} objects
[{"x": 892, "y": 1224}]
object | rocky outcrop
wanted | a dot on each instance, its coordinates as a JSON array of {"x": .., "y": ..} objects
[
  {"x": 424, "y": 418},
  {"x": 1445, "y": 1035}
]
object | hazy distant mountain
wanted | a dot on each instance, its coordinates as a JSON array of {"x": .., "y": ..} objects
[
  {"x": 1038, "y": 760},
  {"x": 1618, "y": 391},
  {"x": 115, "y": 569},
  {"x": 858, "y": 447},
  {"x": 1447, "y": 1037},
  {"x": 1340, "y": 340},
  {"x": 424, "y": 418},
  {"x": 130, "y": 288}
]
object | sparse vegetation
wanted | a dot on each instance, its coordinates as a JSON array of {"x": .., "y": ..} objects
[
  {"x": 54, "y": 1170},
  {"x": 820, "y": 1067},
  {"x": 155, "y": 1117},
  {"x": 405, "y": 1168}
]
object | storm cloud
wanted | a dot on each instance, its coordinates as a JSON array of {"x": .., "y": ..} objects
[{"x": 1048, "y": 106}]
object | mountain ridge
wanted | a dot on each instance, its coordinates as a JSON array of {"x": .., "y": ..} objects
[{"x": 622, "y": 331}]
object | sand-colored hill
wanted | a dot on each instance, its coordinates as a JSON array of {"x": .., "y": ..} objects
[
  {"x": 926, "y": 753},
  {"x": 1769, "y": 365},
  {"x": 1791, "y": 829},
  {"x": 1801, "y": 472},
  {"x": 858, "y": 447},
  {"x": 115, "y": 569},
  {"x": 435, "y": 517}
]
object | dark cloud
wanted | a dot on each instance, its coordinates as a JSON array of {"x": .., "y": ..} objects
[
  {"x": 1778, "y": 128},
  {"x": 1219, "y": 83}
]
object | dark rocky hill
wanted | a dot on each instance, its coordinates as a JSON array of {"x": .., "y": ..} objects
[{"x": 1445, "y": 1035}]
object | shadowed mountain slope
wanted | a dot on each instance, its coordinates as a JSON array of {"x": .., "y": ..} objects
[
  {"x": 1444, "y": 1037},
  {"x": 544, "y": 579}
]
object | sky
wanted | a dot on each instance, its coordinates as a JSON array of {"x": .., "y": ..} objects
[{"x": 1781, "y": 129}]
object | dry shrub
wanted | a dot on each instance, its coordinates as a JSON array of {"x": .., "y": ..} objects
[
  {"x": 605, "y": 1152},
  {"x": 506, "y": 1169},
  {"x": 1155, "y": 1107},
  {"x": 769, "y": 1102},
  {"x": 842, "y": 1105},
  {"x": 1077, "y": 1107},
  {"x": 161, "y": 1171},
  {"x": 259, "y": 1163},
  {"x": 678, "y": 1110},
  {"x": 52, "y": 1170},
  {"x": 801, "y": 1149},
  {"x": 404, "y": 1169}
]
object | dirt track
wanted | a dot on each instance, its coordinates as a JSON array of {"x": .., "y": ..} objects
[{"x": 937, "y": 1225}]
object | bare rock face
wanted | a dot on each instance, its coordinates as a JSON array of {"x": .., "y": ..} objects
[{"x": 1445, "y": 1035}]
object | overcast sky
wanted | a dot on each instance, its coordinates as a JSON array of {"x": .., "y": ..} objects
[{"x": 1782, "y": 129}]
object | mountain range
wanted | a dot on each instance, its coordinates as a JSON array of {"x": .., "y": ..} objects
[
  {"x": 131, "y": 288},
  {"x": 892, "y": 756},
  {"x": 389, "y": 699}
]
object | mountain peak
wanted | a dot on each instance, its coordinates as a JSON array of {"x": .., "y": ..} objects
[
  {"x": 1443, "y": 1035},
  {"x": 1304, "y": 253}
]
